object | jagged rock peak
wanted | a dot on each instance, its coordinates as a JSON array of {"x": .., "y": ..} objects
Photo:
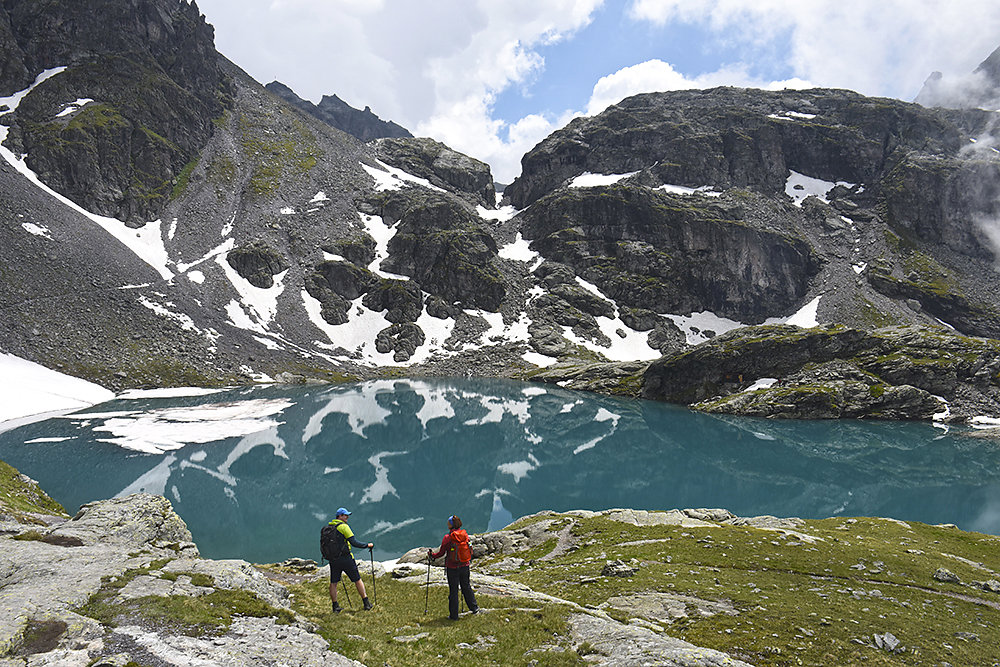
[
  {"x": 364, "y": 125},
  {"x": 978, "y": 89},
  {"x": 39, "y": 35}
]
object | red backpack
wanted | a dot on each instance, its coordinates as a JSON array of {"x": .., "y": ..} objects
[{"x": 460, "y": 551}]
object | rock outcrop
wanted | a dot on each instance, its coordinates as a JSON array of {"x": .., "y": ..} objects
[
  {"x": 441, "y": 166},
  {"x": 673, "y": 253},
  {"x": 822, "y": 373},
  {"x": 133, "y": 109},
  {"x": 364, "y": 125},
  {"x": 118, "y": 553}
]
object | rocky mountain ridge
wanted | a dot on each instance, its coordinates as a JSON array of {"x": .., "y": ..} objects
[
  {"x": 205, "y": 231},
  {"x": 363, "y": 125}
]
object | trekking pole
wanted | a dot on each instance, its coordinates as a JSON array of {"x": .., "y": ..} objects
[
  {"x": 427, "y": 588},
  {"x": 372, "y": 556},
  {"x": 348, "y": 595}
]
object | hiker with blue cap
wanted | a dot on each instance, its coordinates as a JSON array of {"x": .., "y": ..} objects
[{"x": 336, "y": 540}]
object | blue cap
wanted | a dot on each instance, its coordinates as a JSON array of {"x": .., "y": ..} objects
[{"x": 342, "y": 510}]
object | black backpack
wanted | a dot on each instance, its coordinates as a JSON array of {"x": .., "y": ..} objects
[{"x": 332, "y": 543}]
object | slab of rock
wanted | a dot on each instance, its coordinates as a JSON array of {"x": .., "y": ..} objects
[
  {"x": 250, "y": 641},
  {"x": 144, "y": 585},
  {"x": 615, "y": 644},
  {"x": 233, "y": 575},
  {"x": 669, "y": 607},
  {"x": 137, "y": 520}
]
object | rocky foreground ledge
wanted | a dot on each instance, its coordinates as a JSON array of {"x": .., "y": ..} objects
[{"x": 122, "y": 584}]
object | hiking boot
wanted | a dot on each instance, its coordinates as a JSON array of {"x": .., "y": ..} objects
[
  {"x": 337, "y": 608},
  {"x": 368, "y": 605},
  {"x": 475, "y": 611}
]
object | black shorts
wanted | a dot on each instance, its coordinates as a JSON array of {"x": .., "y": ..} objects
[{"x": 346, "y": 565}]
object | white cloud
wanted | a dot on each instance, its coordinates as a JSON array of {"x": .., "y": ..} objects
[
  {"x": 883, "y": 48},
  {"x": 656, "y": 75},
  {"x": 437, "y": 68},
  {"x": 433, "y": 67}
]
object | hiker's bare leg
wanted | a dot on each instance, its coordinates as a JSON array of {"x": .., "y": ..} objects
[
  {"x": 333, "y": 592},
  {"x": 361, "y": 588}
]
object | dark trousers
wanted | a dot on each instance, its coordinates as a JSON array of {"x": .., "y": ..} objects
[{"x": 459, "y": 576}]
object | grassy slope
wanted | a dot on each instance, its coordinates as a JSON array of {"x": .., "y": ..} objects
[
  {"x": 22, "y": 498},
  {"x": 797, "y": 602}
]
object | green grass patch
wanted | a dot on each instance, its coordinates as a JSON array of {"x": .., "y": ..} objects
[
  {"x": 797, "y": 602},
  {"x": 183, "y": 178},
  {"x": 20, "y": 496},
  {"x": 397, "y": 632},
  {"x": 207, "y": 615}
]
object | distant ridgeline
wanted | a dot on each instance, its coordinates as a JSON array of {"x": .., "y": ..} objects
[
  {"x": 334, "y": 111},
  {"x": 256, "y": 241}
]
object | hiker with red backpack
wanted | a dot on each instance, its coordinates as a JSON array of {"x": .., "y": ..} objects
[{"x": 458, "y": 558}]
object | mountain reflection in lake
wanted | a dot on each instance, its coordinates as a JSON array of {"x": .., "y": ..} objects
[{"x": 255, "y": 472}]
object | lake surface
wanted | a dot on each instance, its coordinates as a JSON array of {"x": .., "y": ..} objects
[{"x": 256, "y": 472}]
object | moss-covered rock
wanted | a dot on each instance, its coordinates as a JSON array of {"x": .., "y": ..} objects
[
  {"x": 894, "y": 373},
  {"x": 120, "y": 155},
  {"x": 440, "y": 244}
]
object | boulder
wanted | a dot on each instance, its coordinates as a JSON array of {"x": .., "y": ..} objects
[
  {"x": 257, "y": 264},
  {"x": 946, "y": 575},
  {"x": 442, "y": 166},
  {"x": 400, "y": 339},
  {"x": 402, "y": 300}
]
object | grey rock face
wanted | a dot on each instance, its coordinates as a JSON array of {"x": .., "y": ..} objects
[
  {"x": 697, "y": 132},
  {"x": 443, "y": 247},
  {"x": 120, "y": 154},
  {"x": 650, "y": 250},
  {"x": 364, "y": 125},
  {"x": 829, "y": 373},
  {"x": 442, "y": 166}
]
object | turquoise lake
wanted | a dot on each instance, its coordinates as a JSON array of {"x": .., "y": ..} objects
[{"x": 256, "y": 472}]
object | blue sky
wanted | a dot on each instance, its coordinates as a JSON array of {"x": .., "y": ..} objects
[
  {"x": 491, "y": 78},
  {"x": 571, "y": 67}
]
